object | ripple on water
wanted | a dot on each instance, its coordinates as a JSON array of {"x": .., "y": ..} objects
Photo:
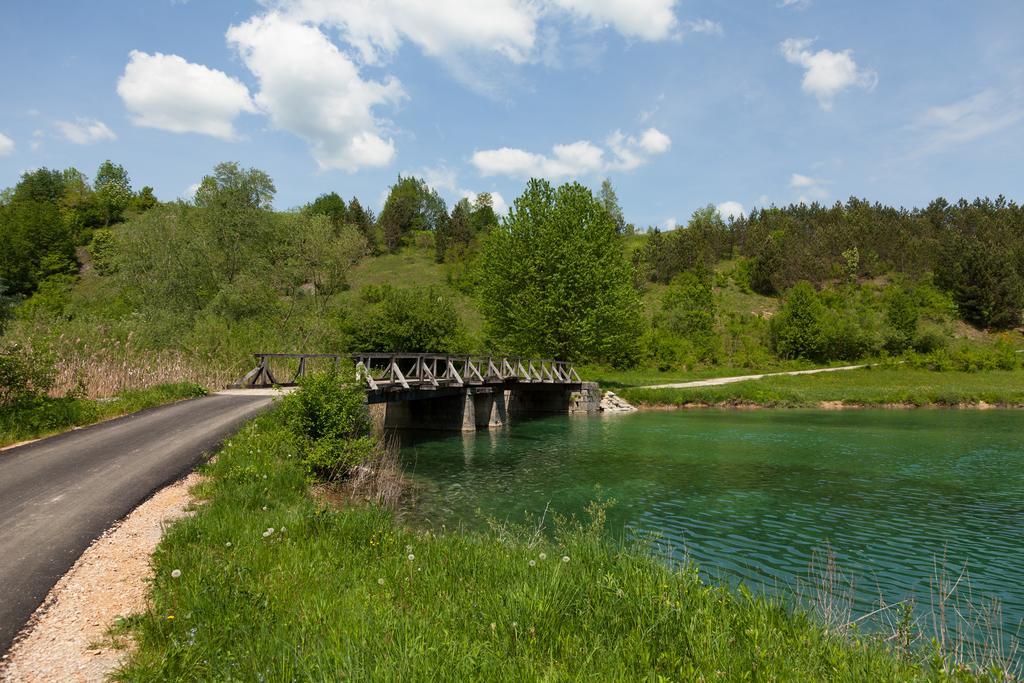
[{"x": 753, "y": 496}]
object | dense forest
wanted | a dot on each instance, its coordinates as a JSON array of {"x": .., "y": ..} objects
[{"x": 100, "y": 281}]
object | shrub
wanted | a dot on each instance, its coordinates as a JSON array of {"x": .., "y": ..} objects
[
  {"x": 103, "y": 250},
  {"x": 410, "y": 320},
  {"x": 331, "y": 424},
  {"x": 25, "y": 376},
  {"x": 797, "y": 329}
]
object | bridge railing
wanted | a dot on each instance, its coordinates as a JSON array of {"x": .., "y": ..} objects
[{"x": 382, "y": 371}]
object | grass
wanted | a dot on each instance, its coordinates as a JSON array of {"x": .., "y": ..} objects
[
  {"x": 50, "y": 415},
  {"x": 266, "y": 583},
  {"x": 866, "y": 387}
]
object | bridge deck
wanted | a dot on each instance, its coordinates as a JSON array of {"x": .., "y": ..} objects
[{"x": 410, "y": 373}]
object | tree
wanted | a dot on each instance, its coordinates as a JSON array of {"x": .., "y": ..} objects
[
  {"x": 797, "y": 328},
  {"x": 556, "y": 282},
  {"x": 410, "y": 320},
  {"x": 363, "y": 220},
  {"x": 332, "y": 206},
  {"x": 455, "y": 234},
  {"x": 901, "y": 315},
  {"x": 231, "y": 185},
  {"x": 113, "y": 192},
  {"x": 688, "y": 308},
  {"x": 482, "y": 216},
  {"x": 610, "y": 201},
  {"x": 144, "y": 200},
  {"x": 411, "y": 205}
]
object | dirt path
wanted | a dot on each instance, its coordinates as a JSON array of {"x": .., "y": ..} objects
[
  {"x": 716, "y": 381},
  {"x": 65, "y": 639}
]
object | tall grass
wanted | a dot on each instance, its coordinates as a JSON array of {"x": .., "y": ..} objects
[
  {"x": 46, "y": 415},
  {"x": 276, "y": 585}
]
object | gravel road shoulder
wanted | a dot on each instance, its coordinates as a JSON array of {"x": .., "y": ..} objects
[{"x": 66, "y": 638}]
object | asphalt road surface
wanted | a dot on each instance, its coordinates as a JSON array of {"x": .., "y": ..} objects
[{"x": 59, "y": 494}]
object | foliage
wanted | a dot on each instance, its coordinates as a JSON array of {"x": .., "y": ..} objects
[
  {"x": 411, "y": 205},
  {"x": 103, "y": 251},
  {"x": 610, "y": 201},
  {"x": 263, "y": 558},
  {"x": 409, "y": 320},
  {"x": 797, "y": 328},
  {"x": 330, "y": 421},
  {"x": 699, "y": 245},
  {"x": 555, "y": 281},
  {"x": 684, "y": 332},
  {"x": 26, "y": 375},
  {"x": 43, "y": 415},
  {"x": 113, "y": 192}
]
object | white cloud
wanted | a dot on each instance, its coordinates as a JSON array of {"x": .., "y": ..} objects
[
  {"x": 439, "y": 178},
  {"x": 6, "y": 145},
  {"x": 166, "y": 92},
  {"x": 826, "y": 73},
  {"x": 575, "y": 159},
  {"x": 670, "y": 223},
  {"x": 796, "y": 4},
  {"x": 310, "y": 88},
  {"x": 811, "y": 189},
  {"x": 85, "y": 131},
  {"x": 190, "y": 192},
  {"x": 705, "y": 26},
  {"x": 643, "y": 19},
  {"x": 984, "y": 113},
  {"x": 730, "y": 209}
]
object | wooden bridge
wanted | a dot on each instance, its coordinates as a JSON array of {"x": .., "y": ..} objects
[{"x": 441, "y": 391}]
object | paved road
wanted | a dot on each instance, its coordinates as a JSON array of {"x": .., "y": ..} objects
[
  {"x": 716, "y": 381},
  {"x": 58, "y": 494}
]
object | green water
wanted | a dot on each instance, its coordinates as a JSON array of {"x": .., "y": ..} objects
[{"x": 752, "y": 495}]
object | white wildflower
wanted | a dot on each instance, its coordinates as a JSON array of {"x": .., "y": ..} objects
[{"x": 176, "y": 574}]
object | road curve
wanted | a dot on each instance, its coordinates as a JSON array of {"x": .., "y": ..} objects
[{"x": 59, "y": 494}]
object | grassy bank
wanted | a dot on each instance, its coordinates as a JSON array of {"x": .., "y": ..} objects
[
  {"x": 43, "y": 416},
  {"x": 266, "y": 583},
  {"x": 866, "y": 387}
]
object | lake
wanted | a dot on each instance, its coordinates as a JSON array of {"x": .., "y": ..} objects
[{"x": 755, "y": 495}]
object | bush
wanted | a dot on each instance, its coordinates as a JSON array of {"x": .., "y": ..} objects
[
  {"x": 797, "y": 329},
  {"x": 103, "y": 250},
  {"x": 331, "y": 424},
  {"x": 408, "y": 320},
  {"x": 25, "y": 376}
]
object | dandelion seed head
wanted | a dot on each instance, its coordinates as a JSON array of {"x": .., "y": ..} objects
[
  {"x": 380, "y": 582},
  {"x": 565, "y": 558},
  {"x": 176, "y": 574},
  {"x": 411, "y": 557},
  {"x": 533, "y": 563},
  {"x": 228, "y": 544},
  {"x": 543, "y": 556}
]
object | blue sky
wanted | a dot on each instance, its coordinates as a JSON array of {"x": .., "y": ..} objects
[{"x": 680, "y": 104}]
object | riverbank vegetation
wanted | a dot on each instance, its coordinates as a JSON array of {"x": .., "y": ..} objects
[
  {"x": 123, "y": 291},
  {"x": 267, "y": 582}
]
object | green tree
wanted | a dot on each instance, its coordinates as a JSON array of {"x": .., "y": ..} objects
[
  {"x": 409, "y": 320},
  {"x": 556, "y": 282},
  {"x": 901, "y": 315},
  {"x": 797, "y": 327},
  {"x": 456, "y": 234},
  {"x": 144, "y": 200},
  {"x": 411, "y": 205},
  {"x": 332, "y": 206},
  {"x": 482, "y": 216},
  {"x": 232, "y": 186},
  {"x": 363, "y": 220},
  {"x": 113, "y": 192},
  {"x": 610, "y": 201},
  {"x": 688, "y": 310}
]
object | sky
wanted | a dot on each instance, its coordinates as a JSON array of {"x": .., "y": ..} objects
[{"x": 681, "y": 104}]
